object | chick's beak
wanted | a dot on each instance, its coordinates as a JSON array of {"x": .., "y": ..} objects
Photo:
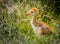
[{"x": 27, "y": 14}]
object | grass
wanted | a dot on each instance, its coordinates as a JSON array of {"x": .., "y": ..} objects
[{"x": 18, "y": 27}]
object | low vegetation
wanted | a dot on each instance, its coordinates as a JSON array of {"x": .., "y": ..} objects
[{"x": 15, "y": 27}]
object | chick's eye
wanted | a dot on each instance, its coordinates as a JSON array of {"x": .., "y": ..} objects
[{"x": 31, "y": 11}]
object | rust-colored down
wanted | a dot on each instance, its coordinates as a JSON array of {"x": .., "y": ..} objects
[{"x": 38, "y": 27}]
